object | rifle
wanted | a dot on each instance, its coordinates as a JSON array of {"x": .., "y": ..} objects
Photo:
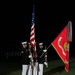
[{"x": 44, "y": 52}]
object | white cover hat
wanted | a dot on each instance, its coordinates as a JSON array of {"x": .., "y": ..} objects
[
  {"x": 24, "y": 42},
  {"x": 40, "y": 44}
]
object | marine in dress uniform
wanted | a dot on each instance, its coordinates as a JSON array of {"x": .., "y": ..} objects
[
  {"x": 33, "y": 61},
  {"x": 25, "y": 58},
  {"x": 41, "y": 60},
  {"x": 30, "y": 71},
  {"x": 35, "y": 68}
]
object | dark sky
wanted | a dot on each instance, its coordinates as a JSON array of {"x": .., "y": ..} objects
[{"x": 16, "y": 16}]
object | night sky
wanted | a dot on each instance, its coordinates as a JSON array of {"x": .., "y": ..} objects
[{"x": 16, "y": 16}]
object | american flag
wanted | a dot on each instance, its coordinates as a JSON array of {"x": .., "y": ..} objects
[{"x": 32, "y": 33}]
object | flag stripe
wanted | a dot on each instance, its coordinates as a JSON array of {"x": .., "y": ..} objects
[
  {"x": 32, "y": 32},
  {"x": 32, "y": 37}
]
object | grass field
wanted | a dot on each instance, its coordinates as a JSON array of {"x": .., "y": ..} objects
[{"x": 56, "y": 67}]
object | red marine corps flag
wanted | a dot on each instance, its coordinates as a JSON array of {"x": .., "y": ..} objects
[
  {"x": 32, "y": 34},
  {"x": 61, "y": 44}
]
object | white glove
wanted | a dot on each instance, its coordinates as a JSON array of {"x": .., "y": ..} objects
[
  {"x": 30, "y": 56},
  {"x": 45, "y": 50},
  {"x": 45, "y": 63},
  {"x": 46, "y": 56}
]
